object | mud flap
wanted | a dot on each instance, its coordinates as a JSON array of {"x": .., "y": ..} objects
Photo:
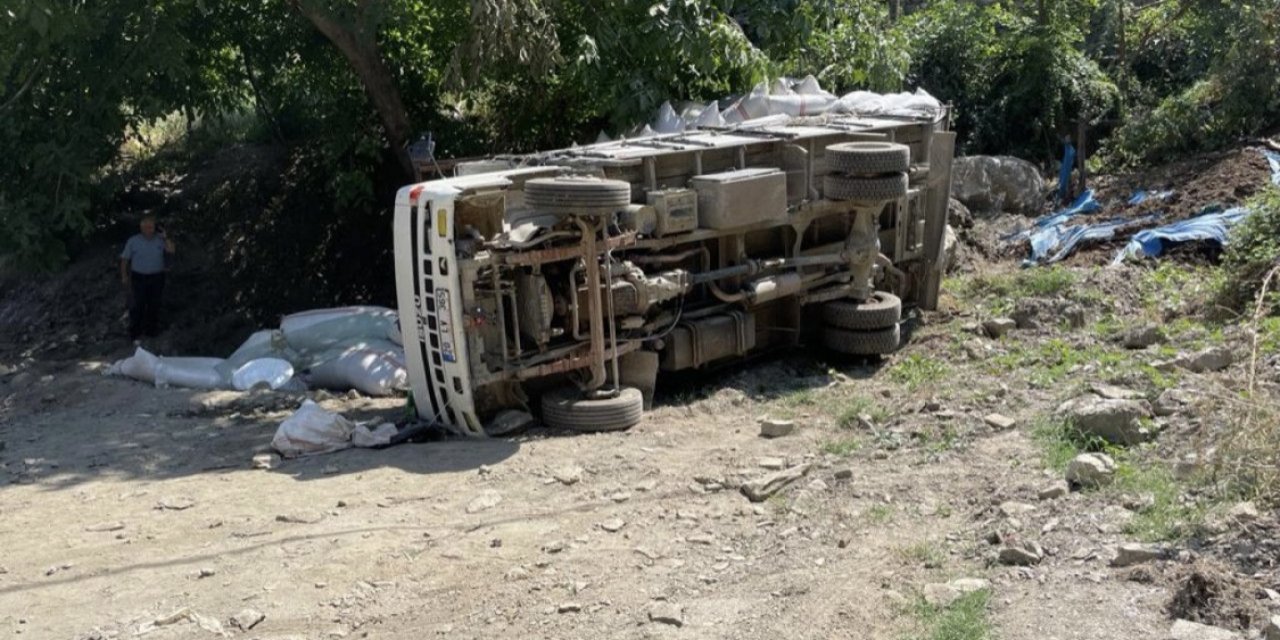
[{"x": 941, "y": 153}]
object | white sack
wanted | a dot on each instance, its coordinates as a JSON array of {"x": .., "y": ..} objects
[
  {"x": 192, "y": 373},
  {"x": 312, "y": 430},
  {"x": 668, "y": 120},
  {"x": 370, "y": 371},
  {"x": 709, "y": 117},
  {"x": 139, "y": 366},
  {"x": 324, "y": 328},
  {"x": 907, "y": 105},
  {"x": 797, "y": 104},
  {"x": 273, "y": 372},
  {"x": 380, "y": 436}
]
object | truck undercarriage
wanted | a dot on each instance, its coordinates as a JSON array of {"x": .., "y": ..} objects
[{"x": 567, "y": 280}]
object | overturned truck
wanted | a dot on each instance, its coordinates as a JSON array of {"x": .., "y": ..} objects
[{"x": 565, "y": 281}]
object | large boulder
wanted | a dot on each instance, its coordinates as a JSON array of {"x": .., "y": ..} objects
[
  {"x": 997, "y": 183},
  {"x": 1116, "y": 421}
]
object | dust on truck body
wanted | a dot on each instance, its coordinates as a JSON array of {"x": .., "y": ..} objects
[{"x": 563, "y": 282}]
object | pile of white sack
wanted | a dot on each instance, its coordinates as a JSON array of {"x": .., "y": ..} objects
[
  {"x": 783, "y": 99},
  {"x": 340, "y": 349}
]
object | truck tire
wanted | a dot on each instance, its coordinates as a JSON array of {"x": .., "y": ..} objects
[
  {"x": 881, "y": 310},
  {"x": 576, "y": 194},
  {"x": 862, "y": 343},
  {"x": 868, "y": 158},
  {"x": 879, "y": 189},
  {"x": 566, "y": 408}
]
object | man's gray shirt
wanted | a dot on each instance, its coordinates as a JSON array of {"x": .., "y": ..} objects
[{"x": 144, "y": 256}]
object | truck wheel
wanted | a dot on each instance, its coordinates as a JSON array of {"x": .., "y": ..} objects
[
  {"x": 565, "y": 408},
  {"x": 868, "y": 158},
  {"x": 881, "y": 310},
  {"x": 862, "y": 343},
  {"x": 576, "y": 194},
  {"x": 880, "y": 189}
]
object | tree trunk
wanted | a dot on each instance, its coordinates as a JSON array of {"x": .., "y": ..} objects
[
  {"x": 359, "y": 45},
  {"x": 895, "y": 10}
]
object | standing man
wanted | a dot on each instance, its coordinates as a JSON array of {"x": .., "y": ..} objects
[{"x": 142, "y": 267}]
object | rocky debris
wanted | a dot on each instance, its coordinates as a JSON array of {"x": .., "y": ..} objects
[
  {"x": 959, "y": 215},
  {"x": 843, "y": 474},
  {"x": 941, "y": 594},
  {"x": 613, "y": 525},
  {"x": 774, "y": 428},
  {"x": 1187, "y": 630},
  {"x": 206, "y": 572},
  {"x": 1243, "y": 513},
  {"x": 175, "y": 504},
  {"x": 484, "y": 502},
  {"x": 103, "y": 527},
  {"x": 1112, "y": 392},
  {"x": 1133, "y": 553},
  {"x": 1171, "y": 401},
  {"x": 1015, "y": 509},
  {"x": 762, "y": 488},
  {"x": 667, "y": 613},
  {"x": 568, "y": 475},
  {"x": 1272, "y": 630},
  {"x": 569, "y": 607},
  {"x": 1091, "y": 470},
  {"x": 1141, "y": 337},
  {"x": 999, "y": 327},
  {"x": 300, "y": 517},
  {"x": 265, "y": 461},
  {"x": 771, "y": 463},
  {"x": 1057, "y": 489},
  {"x": 1211, "y": 359},
  {"x": 247, "y": 619},
  {"x": 950, "y": 242},
  {"x": 1022, "y": 555},
  {"x": 997, "y": 183},
  {"x": 1000, "y": 422},
  {"x": 1116, "y": 421}
]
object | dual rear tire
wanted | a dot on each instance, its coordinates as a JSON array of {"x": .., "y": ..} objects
[{"x": 866, "y": 328}]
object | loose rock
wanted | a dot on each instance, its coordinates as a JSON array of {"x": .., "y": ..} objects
[
  {"x": 667, "y": 613},
  {"x": 1187, "y": 630},
  {"x": 613, "y": 525},
  {"x": 944, "y": 594},
  {"x": 484, "y": 502},
  {"x": 1171, "y": 401},
  {"x": 1128, "y": 555},
  {"x": 1116, "y": 421},
  {"x": 265, "y": 461},
  {"x": 1000, "y": 422},
  {"x": 1112, "y": 392},
  {"x": 1142, "y": 337},
  {"x": 1058, "y": 489},
  {"x": 1023, "y": 555},
  {"x": 569, "y": 607},
  {"x": 247, "y": 619},
  {"x": 1091, "y": 470},
  {"x": 772, "y": 428},
  {"x": 1211, "y": 359},
  {"x": 999, "y": 327},
  {"x": 1272, "y": 630},
  {"x": 760, "y": 489},
  {"x": 568, "y": 475}
]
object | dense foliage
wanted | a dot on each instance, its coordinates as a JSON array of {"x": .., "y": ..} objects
[{"x": 344, "y": 85}]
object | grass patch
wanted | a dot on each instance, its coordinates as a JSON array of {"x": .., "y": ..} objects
[
  {"x": 916, "y": 370},
  {"x": 880, "y": 513},
  {"x": 842, "y": 447},
  {"x": 857, "y": 406},
  {"x": 923, "y": 553},
  {"x": 1165, "y": 517},
  {"x": 964, "y": 619}
]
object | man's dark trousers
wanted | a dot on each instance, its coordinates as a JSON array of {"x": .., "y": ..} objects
[{"x": 144, "y": 309}]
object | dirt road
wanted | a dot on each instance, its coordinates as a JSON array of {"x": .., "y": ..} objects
[{"x": 128, "y": 511}]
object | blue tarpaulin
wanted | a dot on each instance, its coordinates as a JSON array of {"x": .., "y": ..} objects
[
  {"x": 1052, "y": 240},
  {"x": 1273, "y": 159},
  {"x": 1210, "y": 226}
]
